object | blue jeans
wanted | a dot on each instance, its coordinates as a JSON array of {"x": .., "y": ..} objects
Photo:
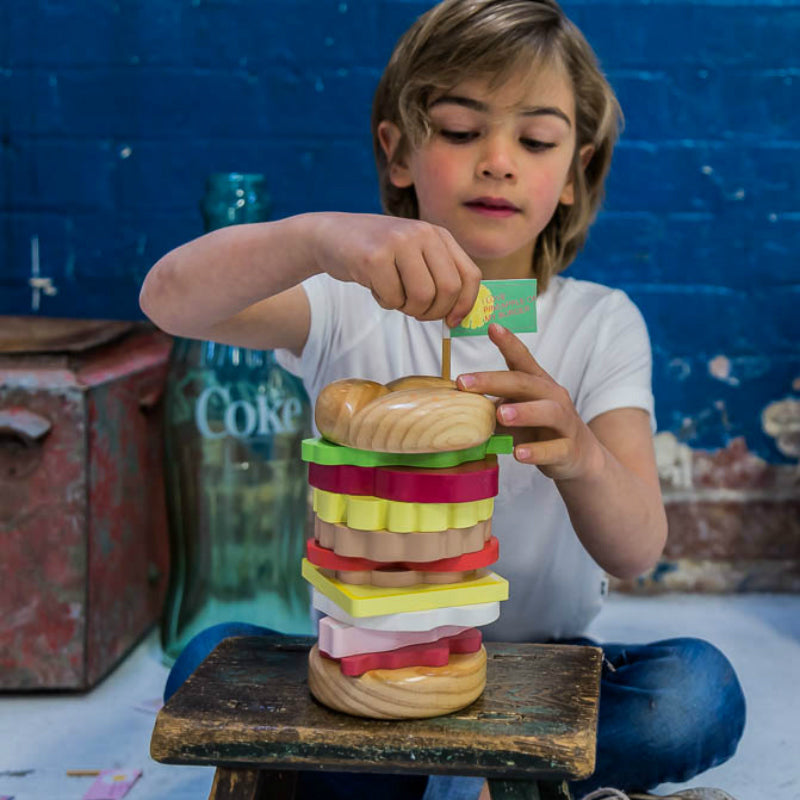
[{"x": 668, "y": 711}]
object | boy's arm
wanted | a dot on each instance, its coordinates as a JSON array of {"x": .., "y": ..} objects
[
  {"x": 605, "y": 471},
  {"x": 616, "y": 508},
  {"x": 237, "y": 285},
  {"x": 240, "y": 284}
]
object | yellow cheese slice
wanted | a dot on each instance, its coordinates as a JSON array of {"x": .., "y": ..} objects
[
  {"x": 359, "y": 600},
  {"x": 367, "y": 513}
]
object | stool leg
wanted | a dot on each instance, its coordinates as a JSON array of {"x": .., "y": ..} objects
[
  {"x": 278, "y": 784},
  {"x": 253, "y": 784},
  {"x": 550, "y": 790},
  {"x": 529, "y": 790}
]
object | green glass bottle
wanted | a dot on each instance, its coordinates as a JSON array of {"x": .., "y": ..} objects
[{"x": 236, "y": 487}]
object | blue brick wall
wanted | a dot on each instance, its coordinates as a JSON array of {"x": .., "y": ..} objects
[{"x": 113, "y": 113}]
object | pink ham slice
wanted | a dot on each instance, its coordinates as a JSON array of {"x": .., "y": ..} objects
[{"x": 432, "y": 654}]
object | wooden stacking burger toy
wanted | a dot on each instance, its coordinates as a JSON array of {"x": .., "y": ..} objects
[{"x": 404, "y": 479}]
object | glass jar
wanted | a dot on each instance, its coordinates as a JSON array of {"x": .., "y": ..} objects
[{"x": 236, "y": 485}]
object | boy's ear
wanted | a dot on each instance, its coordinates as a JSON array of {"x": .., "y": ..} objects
[
  {"x": 389, "y": 136},
  {"x": 568, "y": 192}
]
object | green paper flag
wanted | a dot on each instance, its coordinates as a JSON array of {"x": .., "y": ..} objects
[{"x": 511, "y": 304}]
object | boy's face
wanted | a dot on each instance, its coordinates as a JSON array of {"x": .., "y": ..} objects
[{"x": 496, "y": 166}]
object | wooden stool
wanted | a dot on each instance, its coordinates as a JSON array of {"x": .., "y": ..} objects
[{"x": 248, "y": 712}]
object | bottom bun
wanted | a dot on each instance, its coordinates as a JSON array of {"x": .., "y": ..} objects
[{"x": 407, "y": 693}]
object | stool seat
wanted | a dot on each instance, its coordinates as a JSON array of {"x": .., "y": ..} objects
[{"x": 247, "y": 711}]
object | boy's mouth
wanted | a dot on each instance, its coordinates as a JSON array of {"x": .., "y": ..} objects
[{"x": 492, "y": 206}]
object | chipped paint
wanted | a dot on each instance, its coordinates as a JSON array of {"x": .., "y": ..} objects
[
  {"x": 781, "y": 421},
  {"x": 83, "y": 518},
  {"x": 720, "y": 367},
  {"x": 733, "y": 517},
  {"x": 680, "y": 369},
  {"x": 716, "y": 577},
  {"x": 60, "y": 381},
  {"x": 674, "y": 461},
  {"x": 662, "y": 569},
  {"x": 24, "y": 423}
]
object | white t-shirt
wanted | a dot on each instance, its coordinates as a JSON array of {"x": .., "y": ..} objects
[{"x": 592, "y": 340}]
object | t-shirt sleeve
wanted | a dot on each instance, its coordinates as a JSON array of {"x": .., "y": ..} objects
[
  {"x": 319, "y": 331},
  {"x": 619, "y": 370},
  {"x": 342, "y": 315}
]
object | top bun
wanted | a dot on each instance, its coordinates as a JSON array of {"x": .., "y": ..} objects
[{"x": 415, "y": 414}]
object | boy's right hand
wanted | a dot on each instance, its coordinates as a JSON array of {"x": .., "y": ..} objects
[{"x": 407, "y": 264}]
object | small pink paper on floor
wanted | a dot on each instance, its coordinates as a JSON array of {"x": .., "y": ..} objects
[{"x": 112, "y": 784}]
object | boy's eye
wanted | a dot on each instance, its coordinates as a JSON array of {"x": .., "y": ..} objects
[
  {"x": 536, "y": 145},
  {"x": 458, "y": 137}
]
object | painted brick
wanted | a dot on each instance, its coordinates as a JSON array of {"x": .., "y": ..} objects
[
  {"x": 204, "y": 34},
  {"x": 687, "y": 102},
  {"x": 124, "y": 245},
  {"x": 620, "y": 249},
  {"x": 703, "y": 410},
  {"x": 289, "y": 31},
  {"x": 49, "y": 176},
  {"x": 5, "y": 105},
  {"x": 720, "y": 250},
  {"x": 718, "y": 530},
  {"x": 302, "y": 174},
  {"x": 778, "y": 307},
  {"x": 324, "y": 102},
  {"x": 137, "y": 102},
  {"x": 323, "y": 175},
  {"x": 704, "y": 319},
  {"x": 714, "y": 177},
  {"x": 781, "y": 244},
  {"x": 142, "y": 102},
  {"x": 47, "y": 33},
  {"x": 168, "y": 176},
  {"x": 17, "y": 229},
  {"x": 394, "y": 17},
  {"x": 101, "y": 257},
  {"x": 714, "y": 249},
  {"x": 634, "y": 34}
]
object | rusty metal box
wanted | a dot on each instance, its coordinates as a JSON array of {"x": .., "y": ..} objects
[{"x": 83, "y": 536}]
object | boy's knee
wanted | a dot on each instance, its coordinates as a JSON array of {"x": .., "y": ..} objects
[
  {"x": 704, "y": 703},
  {"x": 706, "y": 675},
  {"x": 201, "y": 645}
]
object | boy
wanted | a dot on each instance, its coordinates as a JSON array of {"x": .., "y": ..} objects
[{"x": 493, "y": 131}]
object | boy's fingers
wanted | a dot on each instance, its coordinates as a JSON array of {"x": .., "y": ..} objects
[
  {"x": 515, "y": 387},
  {"x": 445, "y": 277},
  {"x": 551, "y": 451},
  {"x": 387, "y": 288},
  {"x": 470, "y": 280},
  {"x": 533, "y": 414},
  {"x": 417, "y": 283},
  {"x": 516, "y": 355}
]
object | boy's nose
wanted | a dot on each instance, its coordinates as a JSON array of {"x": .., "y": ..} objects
[
  {"x": 496, "y": 162},
  {"x": 490, "y": 170}
]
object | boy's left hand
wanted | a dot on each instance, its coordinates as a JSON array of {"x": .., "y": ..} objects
[{"x": 547, "y": 430}]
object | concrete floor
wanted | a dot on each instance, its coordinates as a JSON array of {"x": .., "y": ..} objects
[{"x": 45, "y": 735}]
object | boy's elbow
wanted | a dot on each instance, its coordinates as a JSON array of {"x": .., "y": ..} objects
[
  {"x": 647, "y": 557},
  {"x": 632, "y": 570},
  {"x": 145, "y": 303},
  {"x": 154, "y": 299}
]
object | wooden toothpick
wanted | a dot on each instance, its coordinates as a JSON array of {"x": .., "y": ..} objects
[{"x": 446, "y": 340}]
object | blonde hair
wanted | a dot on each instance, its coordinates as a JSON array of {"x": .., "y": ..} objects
[{"x": 494, "y": 39}]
